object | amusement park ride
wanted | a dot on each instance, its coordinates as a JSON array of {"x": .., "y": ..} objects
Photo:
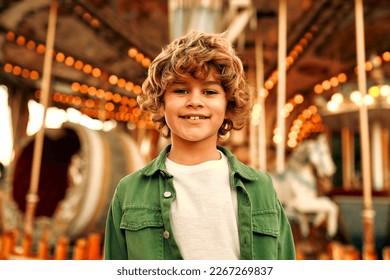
[{"x": 322, "y": 113}]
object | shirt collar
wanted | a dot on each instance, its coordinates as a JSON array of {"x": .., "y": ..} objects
[{"x": 237, "y": 167}]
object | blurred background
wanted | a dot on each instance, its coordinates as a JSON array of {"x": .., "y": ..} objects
[{"x": 80, "y": 64}]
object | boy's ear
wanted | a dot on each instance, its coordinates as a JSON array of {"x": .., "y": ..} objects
[{"x": 228, "y": 113}]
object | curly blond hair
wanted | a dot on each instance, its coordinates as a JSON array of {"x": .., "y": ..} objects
[{"x": 198, "y": 54}]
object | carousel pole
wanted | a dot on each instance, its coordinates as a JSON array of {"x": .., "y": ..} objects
[
  {"x": 282, "y": 32},
  {"x": 261, "y": 135},
  {"x": 368, "y": 212},
  {"x": 32, "y": 197}
]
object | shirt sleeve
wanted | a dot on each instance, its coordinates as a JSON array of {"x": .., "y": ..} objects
[
  {"x": 114, "y": 240},
  {"x": 286, "y": 247}
]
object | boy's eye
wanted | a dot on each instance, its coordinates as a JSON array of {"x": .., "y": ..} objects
[
  {"x": 210, "y": 92},
  {"x": 180, "y": 91}
]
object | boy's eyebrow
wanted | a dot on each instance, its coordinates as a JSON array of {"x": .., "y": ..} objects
[
  {"x": 181, "y": 82},
  {"x": 212, "y": 83}
]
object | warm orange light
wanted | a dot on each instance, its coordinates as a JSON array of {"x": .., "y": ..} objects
[
  {"x": 326, "y": 85},
  {"x": 291, "y": 143},
  {"x": 268, "y": 84},
  {"x": 313, "y": 109},
  {"x": 386, "y": 56},
  {"x": 34, "y": 75},
  {"x": 21, "y": 40},
  {"x": 368, "y": 66},
  {"x": 132, "y": 102},
  {"x": 75, "y": 86},
  {"x": 31, "y": 45},
  {"x": 316, "y": 118},
  {"x": 298, "y": 98},
  {"x": 124, "y": 100},
  {"x": 303, "y": 42},
  {"x": 56, "y": 97},
  {"x": 288, "y": 107},
  {"x": 87, "y": 16},
  {"x": 87, "y": 68},
  {"x": 121, "y": 82},
  {"x": 129, "y": 86},
  {"x": 92, "y": 91},
  {"x": 139, "y": 57},
  {"x": 122, "y": 109},
  {"x": 69, "y": 61},
  {"x": 306, "y": 114},
  {"x": 334, "y": 81},
  {"x": 146, "y": 62},
  {"x": 77, "y": 101},
  {"x": 17, "y": 70},
  {"x": 84, "y": 89},
  {"x": 116, "y": 98},
  {"x": 95, "y": 23},
  {"x": 377, "y": 60},
  {"x": 318, "y": 89},
  {"x": 78, "y": 65},
  {"x": 308, "y": 36},
  {"x": 8, "y": 68},
  {"x": 41, "y": 49},
  {"x": 294, "y": 54},
  {"x": 10, "y": 36},
  {"x": 113, "y": 79},
  {"x": 108, "y": 95},
  {"x": 137, "y": 89},
  {"x": 132, "y": 52},
  {"x": 60, "y": 57},
  {"x": 342, "y": 77},
  {"x": 290, "y": 60},
  {"x": 62, "y": 98},
  {"x": 137, "y": 112},
  {"x": 96, "y": 72},
  {"x": 100, "y": 93},
  {"x": 298, "y": 49},
  {"x": 25, "y": 73},
  {"x": 109, "y": 106}
]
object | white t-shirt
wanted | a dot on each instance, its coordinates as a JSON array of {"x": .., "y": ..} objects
[{"x": 204, "y": 212}]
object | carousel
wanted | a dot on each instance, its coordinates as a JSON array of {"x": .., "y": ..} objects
[{"x": 70, "y": 126}]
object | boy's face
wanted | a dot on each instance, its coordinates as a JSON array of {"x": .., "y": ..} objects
[{"x": 194, "y": 110}]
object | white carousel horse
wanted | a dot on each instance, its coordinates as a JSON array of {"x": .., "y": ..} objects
[{"x": 297, "y": 190}]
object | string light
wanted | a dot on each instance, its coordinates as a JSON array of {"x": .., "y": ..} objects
[
  {"x": 88, "y": 106},
  {"x": 94, "y": 109},
  {"x": 86, "y": 68},
  {"x": 17, "y": 70},
  {"x": 94, "y": 22}
]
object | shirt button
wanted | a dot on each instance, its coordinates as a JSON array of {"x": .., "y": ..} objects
[
  {"x": 166, "y": 234},
  {"x": 167, "y": 194}
]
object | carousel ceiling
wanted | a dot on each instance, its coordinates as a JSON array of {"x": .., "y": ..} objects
[{"x": 103, "y": 47}]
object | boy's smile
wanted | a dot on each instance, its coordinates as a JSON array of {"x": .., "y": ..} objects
[
  {"x": 194, "y": 117},
  {"x": 195, "y": 109}
]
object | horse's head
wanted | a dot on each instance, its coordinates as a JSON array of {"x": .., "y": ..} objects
[
  {"x": 320, "y": 156},
  {"x": 314, "y": 152}
]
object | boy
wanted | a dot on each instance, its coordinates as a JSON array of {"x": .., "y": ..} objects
[{"x": 196, "y": 200}]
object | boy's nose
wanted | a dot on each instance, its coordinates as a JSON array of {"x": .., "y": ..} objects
[{"x": 195, "y": 99}]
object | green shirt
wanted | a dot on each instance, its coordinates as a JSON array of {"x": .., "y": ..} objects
[{"x": 139, "y": 227}]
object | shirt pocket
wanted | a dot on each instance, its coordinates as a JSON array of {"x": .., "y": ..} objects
[
  {"x": 144, "y": 229},
  {"x": 265, "y": 234}
]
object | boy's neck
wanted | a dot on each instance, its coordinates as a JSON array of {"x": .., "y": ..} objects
[{"x": 193, "y": 153}]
